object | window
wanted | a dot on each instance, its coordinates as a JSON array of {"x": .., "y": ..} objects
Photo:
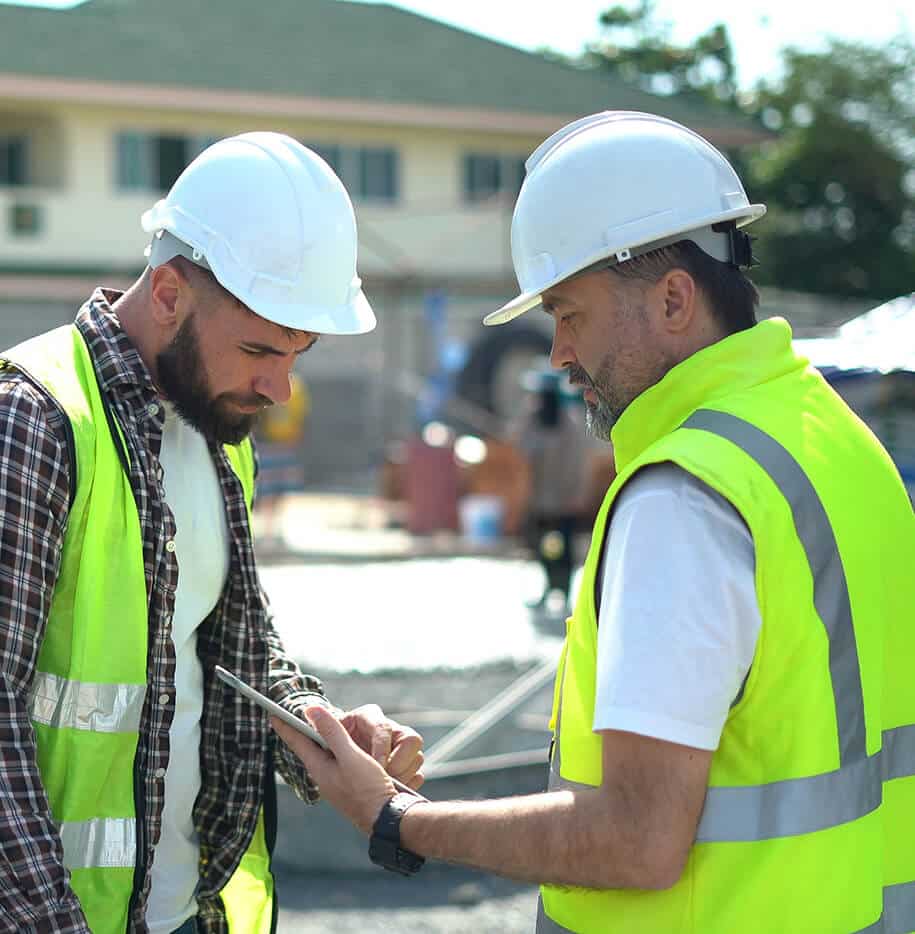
[
  {"x": 368, "y": 173},
  {"x": 377, "y": 174},
  {"x": 152, "y": 162},
  {"x": 329, "y": 153},
  {"x": 14, "y": 160},
  {"x": 25, "y": 219},
  {"x": 487, "y": 175}
]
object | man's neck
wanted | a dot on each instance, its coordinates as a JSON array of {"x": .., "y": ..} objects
[{"x": 132, "y": 311}]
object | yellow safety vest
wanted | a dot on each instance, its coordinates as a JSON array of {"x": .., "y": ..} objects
[
  {"x": 809, "y": 819},
  {"x": 90, "y": 681}
]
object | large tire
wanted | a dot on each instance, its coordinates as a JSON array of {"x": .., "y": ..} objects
[{"x": 491, "y": 378}]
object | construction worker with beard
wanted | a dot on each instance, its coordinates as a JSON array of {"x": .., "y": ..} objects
[
  {"x": 138, "y": 790},
  {"x": 734, "y": 714}
]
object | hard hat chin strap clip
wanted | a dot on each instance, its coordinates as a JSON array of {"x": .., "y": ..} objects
[{"x": 740, "y": 244}]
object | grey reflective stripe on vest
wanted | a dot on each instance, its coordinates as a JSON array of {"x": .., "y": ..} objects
[
  {"x": 797, "y": 805},
  {"x": 101, "y": 843},
  {"x": 898, "y": 753},
  {"x": 791, "y": 807},
  {"x": 898, "y": 911},
  {"x": 82, "y": 705},
  {"x": 830, "y": 589},
  {"x": 545, "y": 924}
]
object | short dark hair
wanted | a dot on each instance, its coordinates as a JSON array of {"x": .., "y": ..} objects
[
  {"x": 200, "y": 275},
  {"x": 731, "y": 295}
]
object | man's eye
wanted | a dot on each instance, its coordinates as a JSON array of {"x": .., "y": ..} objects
[{"x": 251, "y": 352}]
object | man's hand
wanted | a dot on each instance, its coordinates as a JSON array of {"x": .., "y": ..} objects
[
  {"x": 397, "y": 748},
  {"x": 348, "y": 777}
]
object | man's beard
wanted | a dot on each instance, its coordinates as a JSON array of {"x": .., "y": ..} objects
[
  {"x": 600, "y": 416},
  {"x": 183, "y": 382}
]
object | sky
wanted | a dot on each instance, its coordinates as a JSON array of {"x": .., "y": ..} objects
[{"x": 758, "y": 28}]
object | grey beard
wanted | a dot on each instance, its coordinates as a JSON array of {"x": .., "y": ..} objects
[{"x": 599, "y": 420}]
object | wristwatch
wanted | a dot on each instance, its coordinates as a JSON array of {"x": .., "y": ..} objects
[{"x": 384, "y": 844}]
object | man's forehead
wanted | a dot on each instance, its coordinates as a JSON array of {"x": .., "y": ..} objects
[
  {"x": 278, "y": 331},
  {"x": 578, "y": 289},
  {"x": 558, "y": 296}
]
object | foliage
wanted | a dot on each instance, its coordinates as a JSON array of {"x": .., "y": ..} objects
[
  {"x": 645, "y": 56},
  {"x": 840, "y": 177},
  {"x": 838, "y": 172}
]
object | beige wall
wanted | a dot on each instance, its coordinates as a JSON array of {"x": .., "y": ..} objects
[{"x": 87, "y": 221}]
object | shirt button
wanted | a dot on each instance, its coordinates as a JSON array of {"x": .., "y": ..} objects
[
  {"x": 163, "y": 699},
  {"x": 152, "y": 409},
  {"x": 159, "y": 773},
  {"x": 170, "y": 546}
]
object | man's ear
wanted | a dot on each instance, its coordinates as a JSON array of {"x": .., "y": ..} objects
[
  {"x": 166, "y": 285},
  {"x": 678, "y": 293}
]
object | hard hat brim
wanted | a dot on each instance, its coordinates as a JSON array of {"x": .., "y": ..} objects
[
  {"x": 356, "y": 317},
  {"x": 517, "y": 306},
  {"x": 531, "y": 299}
]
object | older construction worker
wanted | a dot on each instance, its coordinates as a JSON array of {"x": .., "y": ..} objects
[
  {"x": 734, "y": 747},
  {"x": 137, "y": 789}
]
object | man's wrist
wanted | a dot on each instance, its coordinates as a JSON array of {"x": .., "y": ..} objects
[{"x": 385, "y": 847}]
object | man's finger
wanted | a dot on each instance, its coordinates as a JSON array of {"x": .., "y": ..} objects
[
  {"x": 406, "y": 755},
  {"x": 331, "y": 729},
  {"x": 406, "y": 774},
  {"x": 382, "y": 739}
]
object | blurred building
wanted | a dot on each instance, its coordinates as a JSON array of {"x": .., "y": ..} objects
[{"x": 102, "y": 105}]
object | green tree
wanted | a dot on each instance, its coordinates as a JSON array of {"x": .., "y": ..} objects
[
  {"x": 838, "y": 174},
  {"x": 636, "y": 46},
  {"x": 839, "y": 179}
]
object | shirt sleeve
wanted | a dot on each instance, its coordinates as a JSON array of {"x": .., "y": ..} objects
[
  {"x": 679, "y": 617},
  {"x": 35, "y": 893},
  {"x": 293, "y": 690}
]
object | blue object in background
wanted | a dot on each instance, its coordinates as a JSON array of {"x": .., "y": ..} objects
[{"x": 449, "y": 356}]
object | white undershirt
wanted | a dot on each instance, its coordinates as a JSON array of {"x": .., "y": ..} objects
[
  {"x": 679, "y": 618},
  {"x": 193, "y": 493}
]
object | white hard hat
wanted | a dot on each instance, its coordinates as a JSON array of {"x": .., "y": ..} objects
[
  {"x": 612, "y": 186},
  {"x": 275, "y": 225}
]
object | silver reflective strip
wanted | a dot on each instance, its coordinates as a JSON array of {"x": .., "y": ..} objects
[
  {"x": 830, "y": 589},
  {"x": 805, "y": 805},
  {"x": 898, "y": 911},
  {"x": 82, "y": 705},
  {"x": 795, "y": 806},
  {"x": 899, "y": 908},
  {"x": 898, "y": 754},
  {"x": 545, "y": 924},
  {"x": 102, "y": 843}
]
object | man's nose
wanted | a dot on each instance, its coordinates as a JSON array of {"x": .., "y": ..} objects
[
  {"x": 561, "y": 353},
  {"x": 275, "y": 384}
]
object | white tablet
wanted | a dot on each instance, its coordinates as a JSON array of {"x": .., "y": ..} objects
[{"x": 274, "y": 709}]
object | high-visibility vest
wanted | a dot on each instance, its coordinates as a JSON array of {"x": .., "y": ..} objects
[
  {"x": 90, "y": 681},
  {"x": 810, "y": 812}
]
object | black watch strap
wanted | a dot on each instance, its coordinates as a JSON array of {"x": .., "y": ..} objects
[{"x": 384, "y": 844}]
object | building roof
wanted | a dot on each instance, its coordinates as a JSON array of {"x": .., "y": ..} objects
[{"x": 329, "y": 50}]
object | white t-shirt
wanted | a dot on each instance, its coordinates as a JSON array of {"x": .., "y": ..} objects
[
  {"x": 193, "y": 493},
  {"x": 679, "y": 618}
]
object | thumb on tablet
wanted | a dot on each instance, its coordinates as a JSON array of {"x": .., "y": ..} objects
[{"x": 329, "y": 727}]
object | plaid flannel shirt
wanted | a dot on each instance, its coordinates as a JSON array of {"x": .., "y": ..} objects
[{"x": 236, "y": 743}]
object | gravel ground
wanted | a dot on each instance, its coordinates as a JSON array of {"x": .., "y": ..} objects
[
  {"x": 442, "y": 899},
  {"x": 442, "y": 688}
]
